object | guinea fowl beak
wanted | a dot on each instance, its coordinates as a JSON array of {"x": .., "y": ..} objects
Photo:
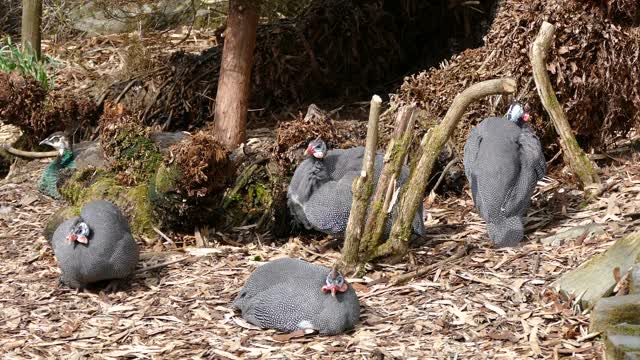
[
  {"x": 334, "y": 289},
  {"x": 44, "y": 142}
]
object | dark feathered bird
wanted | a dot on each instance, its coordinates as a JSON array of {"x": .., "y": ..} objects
[
  {"x": 95, "y": 246},
  {"x": 83, "y": 155},
  {"x": 319, "y": 194},
  {"x": 503, "y": 161},
  {"x": 290, "y": 294}
]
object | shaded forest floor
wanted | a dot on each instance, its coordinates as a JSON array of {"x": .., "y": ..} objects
[{"x": 489, "y": 304}]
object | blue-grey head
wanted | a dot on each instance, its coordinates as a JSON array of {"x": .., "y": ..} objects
[
  {"x": 518, "y": 113},
  {"x": 317, "y": 148},
  {"x": 335, "y": 283},
  {"x": 80, "y": 232},
  {"x": 58, "y": 141}
]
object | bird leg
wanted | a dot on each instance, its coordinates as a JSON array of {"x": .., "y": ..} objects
[{"x": 113, "y": 285}]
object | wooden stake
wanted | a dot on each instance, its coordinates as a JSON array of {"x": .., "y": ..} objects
[
  {"x": 362, "y": 188},
  {"x": 393, "y": 160}
]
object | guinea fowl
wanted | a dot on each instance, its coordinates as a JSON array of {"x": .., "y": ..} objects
[
  {"x": 503, "y": 161},
  {"x": 83, "y": 155},
  {"x": 95, "y": 246},
  {"x": 319, "y": 194},
  {"x": 291, "y": 294}
]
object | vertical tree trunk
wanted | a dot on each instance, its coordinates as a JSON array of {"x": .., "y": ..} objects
[
  {"x": 31, "y": 19},
  {"x": 235, "y": 72}
]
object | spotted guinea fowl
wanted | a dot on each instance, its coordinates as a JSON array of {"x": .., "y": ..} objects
[
  {"x": 83, "y": 155},
  {"x": 319, "y": 194},
  {"x": 503, "y": 161},
  {"x": 95, "y": 246},
  {"x": 291, "y": 294}
]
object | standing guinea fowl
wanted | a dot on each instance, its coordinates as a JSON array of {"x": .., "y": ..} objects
[
  {"x": 503, "y": 161},
  {"x": 319, "y": 194},
  {"x": 291, "y": 294},
  {"x": 95, "y": 246}
]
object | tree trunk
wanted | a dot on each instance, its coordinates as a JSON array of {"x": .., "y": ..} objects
[
  {"x": 235, "y": 73},
  {"x": 31, "y": 19},
  {"x": 573, "y": 154}
]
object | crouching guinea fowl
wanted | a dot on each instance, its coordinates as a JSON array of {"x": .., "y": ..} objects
[
  {"x": 503, "y": 161},
  {"x": 319, "y": 194},
  {"x": 95, "y": 246},
  {"x": 291, "y": 294}
]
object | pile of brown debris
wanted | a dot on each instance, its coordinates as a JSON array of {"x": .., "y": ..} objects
[{"x": 593, "y": 65}]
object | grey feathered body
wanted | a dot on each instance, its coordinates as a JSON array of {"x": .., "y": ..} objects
[
  {"x": 319, "y": 194},
  {"x": 111, "y": 252},
  {"x": 503, "y": 162},
  {"x": 285, "y": 294}
]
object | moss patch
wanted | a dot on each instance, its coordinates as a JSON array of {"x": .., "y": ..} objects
[{"x": 89, "y": 184}]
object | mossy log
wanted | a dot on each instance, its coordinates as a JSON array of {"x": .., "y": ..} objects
[
  {"x": 573, "y": 154},
  {"x": 622, "y": 342},
  {"x": 411, "y": 196},
  {"x": 595, "y": 279}
]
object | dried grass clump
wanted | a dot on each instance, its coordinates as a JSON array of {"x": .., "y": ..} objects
[
  {"x": 203, "y": 163},
  {"x": 25, "y": 104},
  {"x": 593, "y": 64}
]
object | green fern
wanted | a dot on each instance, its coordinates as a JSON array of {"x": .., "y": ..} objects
[{"x": 12, "y": 58}]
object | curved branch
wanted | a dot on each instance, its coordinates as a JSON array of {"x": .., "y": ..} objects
[
  {"x": 29, "y": 154},
  {"x": 573, "y": 154},
  {"x": 412, "y": 195}
]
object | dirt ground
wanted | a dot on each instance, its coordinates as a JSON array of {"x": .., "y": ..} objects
[{"x": 488, "y": 304}]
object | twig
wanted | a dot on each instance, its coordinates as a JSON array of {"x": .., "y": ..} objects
[
  {"x": 126, "y": 88},
  {"x": 29, "y": 154},
  {"x": 460, "y": 253},
  {"x": 163, "y": 235},
  {"x": 165, "y": 264},
  {"x": 444, "y": 172}
]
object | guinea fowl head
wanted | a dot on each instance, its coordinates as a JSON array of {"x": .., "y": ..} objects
[
  {"x": 317, "y": 148},
  {"x": 335, "y": 282},
  {"x": 79, "y": 232},
  {"x": 58, "y": 141},
  {"x": 518, "y": 113}
]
